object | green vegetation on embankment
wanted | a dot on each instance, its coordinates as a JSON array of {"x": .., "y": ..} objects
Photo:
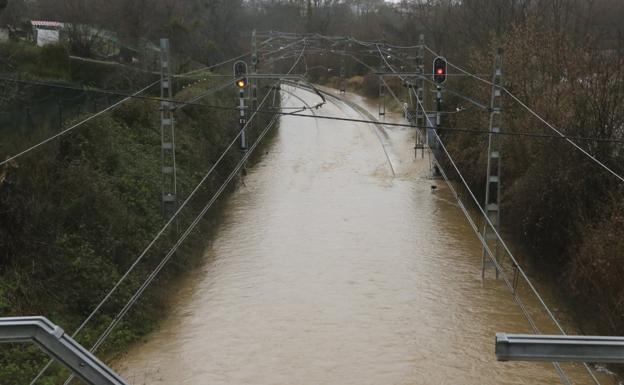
[
  {"x": 53, "y": 62},
  {"x": 562, "y": 207},
  {"x": 75, "y": 213}
]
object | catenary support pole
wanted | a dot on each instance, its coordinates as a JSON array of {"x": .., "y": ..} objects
[
  {"x": 382, "y": 90},
  {"x": 420, "y": 96},
  {"x": 343, "y": 75},
  {"x": 254, "y": 70},
  {"x": 167, "y": 133},
  {"x": 493, "y": 182},
  {"x": 242, "y": 120}
]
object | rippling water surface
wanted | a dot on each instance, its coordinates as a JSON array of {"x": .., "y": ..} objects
[{"x": 329, "y": 270}]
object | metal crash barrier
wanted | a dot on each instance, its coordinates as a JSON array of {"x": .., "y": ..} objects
[
  {"x": 559, "y": 348},
  {"x": 53, "y": 340}
]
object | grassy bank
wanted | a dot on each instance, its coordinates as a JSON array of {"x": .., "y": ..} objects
[{"x": 76, "y": 213}]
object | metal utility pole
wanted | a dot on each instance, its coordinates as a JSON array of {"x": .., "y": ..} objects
[
  {"x": 167, "y": 134},
  {"x": 343, "y": 75},
  {"x": 438, "y": 106},
  {"x": 439, "y": 77},
  {"x": 420, "y": 98},
  {"x": 435, "y": 172},
  {"x": 240, "y": 73},
  {"x": 242, "y": 120},
  {"x": 254, "y": 70},
  {"x": 493, "y": 186},
  {"x": 382, "y": 90}
]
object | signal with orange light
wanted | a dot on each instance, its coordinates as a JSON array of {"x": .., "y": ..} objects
[{"x": 241, "y": 83}]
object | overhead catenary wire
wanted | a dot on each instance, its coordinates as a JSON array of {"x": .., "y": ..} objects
[
  {"x": 424, "y": 76},
  {"x": 213, "y": 66},
  {"x": 544, "y": 121},
  {"x": 560, "y": 134},
  {"x": 205, "y": 94},
  {"x": 525, "y": 277},
  {"x": 73, "y": 127},
  {"x": 560, "y": 371},
  {"x": 298, "y": 59},
  {"x": 455, "y": 129},
  {"x": 107, "y": 109},
  {"x": 179, "y": 242},
  {"x": 515, "y": 263},
  {"x": 194, "y": 103},
  {"x": 162, "y": 230},
  {"x": 124, "y": 94},
  {"x": 567, "y": 139},
  {"x": 281, "y": 49}
]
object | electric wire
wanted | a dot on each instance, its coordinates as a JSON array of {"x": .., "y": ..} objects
[
  {"x": 210, "y": 67},
  {"x": 82, "y": 122},
  {"x": 515, "y": 263},
  {"x": 71, "y": 128},
  {"x": 560, "y": 371},
  {"x": 426, "y": 78},
  {"x": 209, "y": 92},
  {"x": 545, "y": 122},
  {"x": 125, "y": 94},
  {"x": 559, "y": 135},
  {"x": 453, "y": 129},
  {"x": 155, "y": 239},
  {"x": 179, "y": 242},
  {"x": 558, "y": 368},
  {"x": 562, "y": 135},
  {"x": 281, "y": 49},
  {"x": 297, "y": 61},
  {"x": 193, "y": 102},
  {"x": 466, "y": 72}
]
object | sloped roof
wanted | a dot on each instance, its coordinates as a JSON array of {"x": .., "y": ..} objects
[{"x": 46, "y": 24}]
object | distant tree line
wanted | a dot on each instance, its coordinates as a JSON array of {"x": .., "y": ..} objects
[{"x": 565, "y": 58}]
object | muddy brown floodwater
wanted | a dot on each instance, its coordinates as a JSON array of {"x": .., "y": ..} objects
[{"x": 327, "y": 269}]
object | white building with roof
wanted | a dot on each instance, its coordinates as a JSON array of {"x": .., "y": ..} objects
[{"x": 46, "y": 32}]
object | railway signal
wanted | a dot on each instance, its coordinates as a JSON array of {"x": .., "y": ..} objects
[
  {"x": 240, "y": 73},
  {"x": 241, "y": 83},
  {"x": 439, "y": 70}
]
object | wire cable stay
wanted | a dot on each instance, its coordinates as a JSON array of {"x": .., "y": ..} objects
[
  {"x": 139, "y": 292},
  {"x": 162, "y": 230},
  {"x": 541, "y": 119},
  {"x": 193, "y": 102},
  {"x": 73, "y": 127},
  {"x": 512, "y": 286}
]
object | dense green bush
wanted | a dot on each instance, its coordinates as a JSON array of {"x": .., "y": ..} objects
[
  {"x": 53, "y": 62},
  {"x": 92, "y": 73},
  {"x": 21, "y": 56},
  {"x": 562, "y": 207},
  {"x": 75, "y": 215}
]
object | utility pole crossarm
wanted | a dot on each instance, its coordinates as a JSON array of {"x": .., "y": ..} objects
[
  {"x": 275, "y": 76},
  {"x": 559, "y": 348},
  {"x": 53, "y": 340}
]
